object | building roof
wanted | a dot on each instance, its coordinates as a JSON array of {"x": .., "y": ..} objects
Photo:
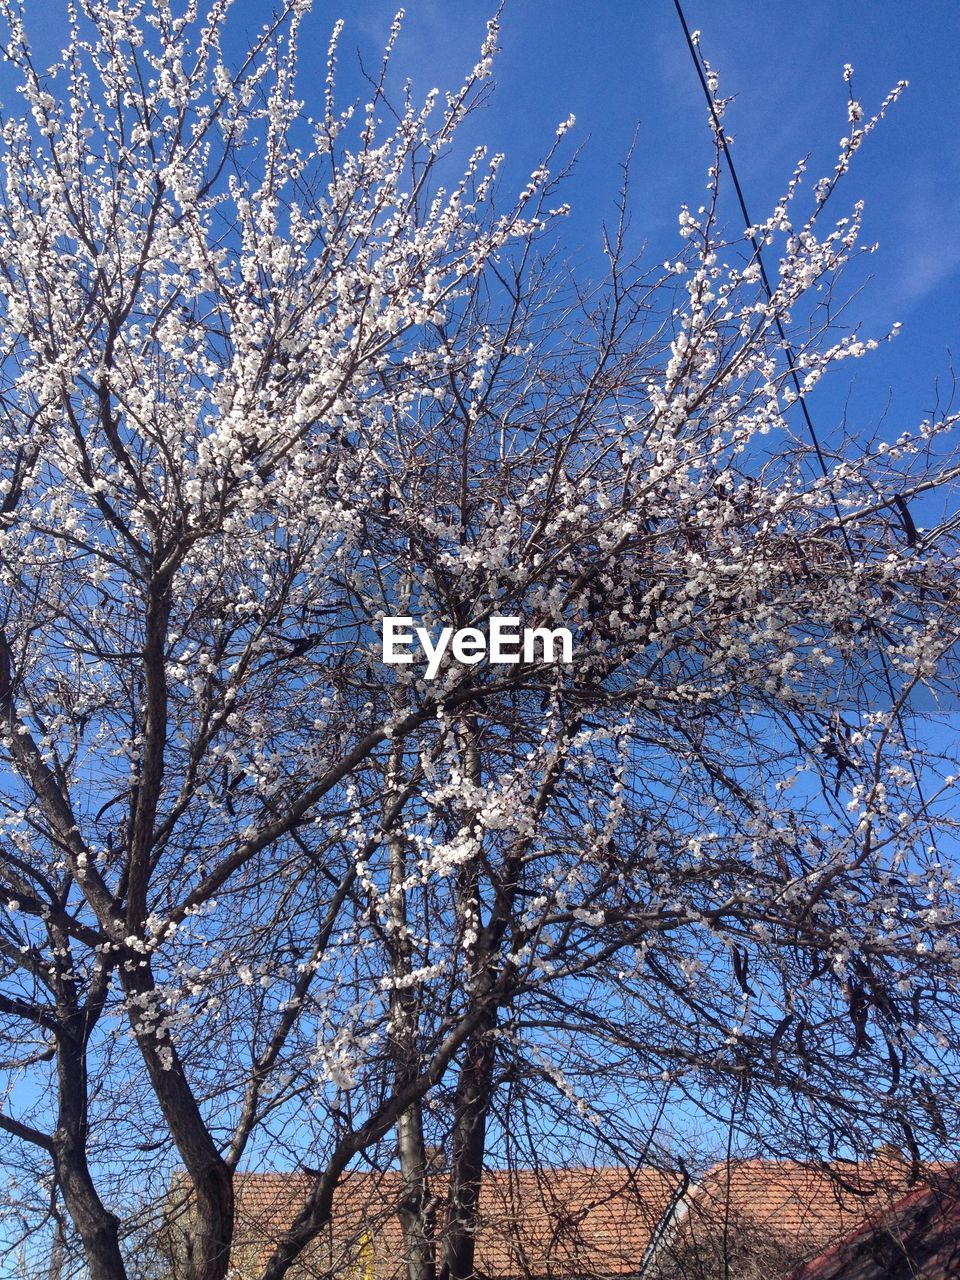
[
  {"x": 761, "y": 1217},
  {"x": 583, "y": 1223},
  {"x": 918, "y": 1238},
  {"x": 557, "y": 1223},
  {"x": 795, "y": 1199}
]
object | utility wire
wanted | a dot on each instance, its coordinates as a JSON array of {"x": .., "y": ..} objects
[
  {"x": 758, "y": 254},
  {"x": 801, "y": 398}
]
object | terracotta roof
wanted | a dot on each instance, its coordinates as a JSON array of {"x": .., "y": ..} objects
[
  {"x": 918, "y": 1238},
  {"x": 557, "y": 1224},
  {"x": 797, "y": 1199},
  {"x": 577, "y": 1222},
  {"x": 774, "y": 1212},
  {"x": 607, "y": 1222}
]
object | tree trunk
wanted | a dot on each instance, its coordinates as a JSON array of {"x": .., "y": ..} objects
[
  {"x": 97, "y": 1226},
  {"x": 475, "y": 1082},
  {"x": 209, "y": 1241},
  {"x": 471, "y": 1106},
  {"x": 416, "y": 1214},
  {"x": 416, "y": 1206}
]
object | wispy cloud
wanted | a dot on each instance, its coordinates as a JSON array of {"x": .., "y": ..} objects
[{"x": 930, "y": 252}]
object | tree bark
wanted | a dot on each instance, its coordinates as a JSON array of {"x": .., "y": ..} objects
[
  {"x": 471, "y": 1107},
  {"x": 417, "y": 1218},
  {"x": 416, "y": 1206},
  {"x": 209, "y": 1241},
  {"x": 97, "y": 1226},
  {"x": 474, "y": 1083}
]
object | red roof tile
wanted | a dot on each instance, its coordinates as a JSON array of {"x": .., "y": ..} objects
[
  {"x": 564, "y": 1223},
  {"x": 772, "y": 1212},
  {"x": 918, "y": 1238},
  {"x": 797, "y": 1199},
  {"x": 559, "y": 1223}
]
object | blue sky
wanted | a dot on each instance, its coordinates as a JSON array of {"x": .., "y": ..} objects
[{"x": 617, "y": 65}]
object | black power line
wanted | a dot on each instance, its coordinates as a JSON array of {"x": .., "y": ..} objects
[{"x": 897, "y": 501}]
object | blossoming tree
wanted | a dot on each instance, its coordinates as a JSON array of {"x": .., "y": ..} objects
[{"x": 271, "y": 371}]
